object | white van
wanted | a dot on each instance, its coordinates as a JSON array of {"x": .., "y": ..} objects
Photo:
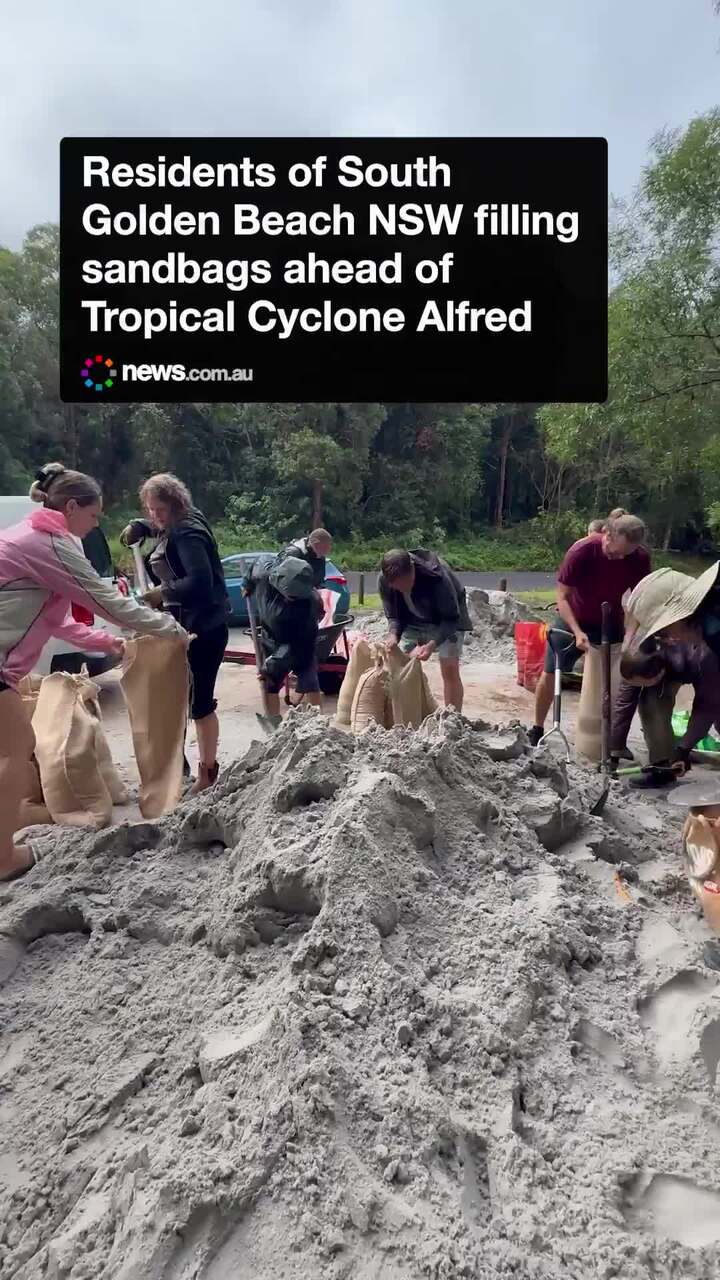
[{"x": 59, "y": 655}]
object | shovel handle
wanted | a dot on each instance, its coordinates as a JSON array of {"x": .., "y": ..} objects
[{"x": 606, "y": 662}]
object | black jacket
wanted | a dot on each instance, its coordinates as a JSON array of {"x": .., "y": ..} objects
[
  {"x": 302, "y": 551},
  {"x": 197, "y": 597},
  {"x": 288, "y": 628},
  {"x": 438, "y": 594}
]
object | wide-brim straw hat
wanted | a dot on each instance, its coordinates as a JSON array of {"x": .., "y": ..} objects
[{"x": 667, "y": 596}]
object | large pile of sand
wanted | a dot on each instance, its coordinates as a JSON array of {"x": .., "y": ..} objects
[{"x": 375, "y": 1009}]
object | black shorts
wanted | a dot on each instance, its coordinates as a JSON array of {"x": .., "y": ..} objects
[
  {"x": 566, "y": 646},
  {"x": 205, "y": 654}
]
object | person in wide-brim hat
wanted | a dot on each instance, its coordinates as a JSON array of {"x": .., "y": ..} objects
[
  {"x": 672, "y": 614},
  {"x": 665, "y": 598}
]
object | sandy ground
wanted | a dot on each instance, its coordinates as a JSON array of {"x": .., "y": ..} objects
[{"x": 491, "y": 693}]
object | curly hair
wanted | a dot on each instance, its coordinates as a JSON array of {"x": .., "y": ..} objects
[{"x": 167, "y": 488}]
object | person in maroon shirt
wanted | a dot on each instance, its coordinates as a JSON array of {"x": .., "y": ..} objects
[{"x": 601, "y": 567}]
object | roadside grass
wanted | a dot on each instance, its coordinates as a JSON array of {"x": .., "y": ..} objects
[
  {"x": 371, "y": 604},
  {"x": 536, "y": 599}
]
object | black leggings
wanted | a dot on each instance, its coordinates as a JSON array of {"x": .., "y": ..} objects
[{"x": 205, "y": 654}]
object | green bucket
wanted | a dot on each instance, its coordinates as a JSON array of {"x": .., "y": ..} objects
[{"x": 680, "y": 721}]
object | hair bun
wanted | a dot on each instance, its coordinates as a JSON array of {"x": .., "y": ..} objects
[{"x": 43, "y": 479}]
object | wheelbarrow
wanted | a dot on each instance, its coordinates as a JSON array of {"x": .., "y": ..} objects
[{"x": 331, "y": 663}]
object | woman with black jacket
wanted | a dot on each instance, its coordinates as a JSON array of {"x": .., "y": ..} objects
[{"x": 185, "y": 563}]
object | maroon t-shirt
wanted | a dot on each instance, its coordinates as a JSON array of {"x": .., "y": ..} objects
[{"x": 593, "y": 578}]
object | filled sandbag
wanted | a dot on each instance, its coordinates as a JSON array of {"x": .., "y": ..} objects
[
  {"x": 701, "y": 855},
  {"x": 33, "y": 810},
  {"x": 361, "y": 660},
  {"x": 108, "y": 771},
  {"x": 371, "y": 696},
  {"x": 155, "y": 682},
  {"x": 72, "y": 785},
  {"x": 588, "y": 733}
]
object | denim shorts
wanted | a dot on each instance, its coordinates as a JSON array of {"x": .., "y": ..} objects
[{"x": 413, "y": 636}]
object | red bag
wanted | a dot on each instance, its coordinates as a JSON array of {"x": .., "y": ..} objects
[{"x": 530, "y": 642}]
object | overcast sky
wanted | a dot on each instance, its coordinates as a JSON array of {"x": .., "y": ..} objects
[{"x": 621, "y": 68}]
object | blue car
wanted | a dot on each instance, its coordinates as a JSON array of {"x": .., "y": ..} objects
[{"x": 232, "y": 568}]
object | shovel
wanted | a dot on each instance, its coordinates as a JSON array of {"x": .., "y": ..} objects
[
  {"x": 554, "y": 635},
  {"x": 606, "y": 710}
]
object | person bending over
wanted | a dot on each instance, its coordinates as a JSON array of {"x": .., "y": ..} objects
[
  {"x": 426, "y": 608},
  {"x": 288, "y": 610},
  {"x": 314, "y": 550},
  {"x": 42, "y": 573},
  {"x": 599, "y": 568},
  {"x": 675, "y": 617}
]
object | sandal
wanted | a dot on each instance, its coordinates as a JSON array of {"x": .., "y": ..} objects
[{"x": 22, "y": 871}]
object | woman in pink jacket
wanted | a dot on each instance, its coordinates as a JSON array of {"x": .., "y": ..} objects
[{"x": 42, "y": 573}]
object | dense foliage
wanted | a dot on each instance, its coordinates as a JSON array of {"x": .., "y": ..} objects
[{"x": 438, "y": 472}]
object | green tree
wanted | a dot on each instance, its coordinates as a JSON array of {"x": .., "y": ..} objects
[{"x": 650, "y": 439}]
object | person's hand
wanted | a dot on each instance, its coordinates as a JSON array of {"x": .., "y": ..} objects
[
  {"x": 153, "y": 598},
  {"x": 128, "y": 537},
  {"x": 391, "y": 641},
  {"x": 582, "y": 641},
  {"x": 423, "y": 651},
  {"x": 118, "y": 649},
  {"x": 681, "y": 760}
]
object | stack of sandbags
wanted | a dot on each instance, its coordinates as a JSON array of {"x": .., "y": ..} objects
[
  {"x": 383, "y": 688},
  {"x": 155, "y": 682},
  {"x": 78, "y": 780}
]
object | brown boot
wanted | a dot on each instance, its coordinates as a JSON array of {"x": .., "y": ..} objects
[{"x": 207, "y": 777}]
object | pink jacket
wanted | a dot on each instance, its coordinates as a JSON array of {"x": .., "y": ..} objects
[{"x": 43, "y": 572}]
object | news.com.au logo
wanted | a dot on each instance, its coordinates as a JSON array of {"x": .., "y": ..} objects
[{"x": 99, "y": 372}]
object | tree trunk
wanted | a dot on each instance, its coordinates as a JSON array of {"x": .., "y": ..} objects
[
  {"x": 504, "y": 449},
  {"x": 71, "y": 434},
  {"x": 668, "y": 532},
  {"x": 317, "y": 505}
]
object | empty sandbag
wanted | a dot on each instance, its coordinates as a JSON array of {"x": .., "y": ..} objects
[
  {"x": 370, "y": 698},
  {"x": 361, "y": 660},
  {"x": 29, "y": 686},
  {"x": 72, "y": 785},
  {"x": 410, "y": 692},
  {"x": 155, "y": 683}
]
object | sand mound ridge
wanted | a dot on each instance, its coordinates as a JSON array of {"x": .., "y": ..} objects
[{"x": 372, "y": 1008}]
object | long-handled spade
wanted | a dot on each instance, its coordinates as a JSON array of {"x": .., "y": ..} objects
[
  {"x": 554, "y": 635},
  {"x": 606, "y": 710}
]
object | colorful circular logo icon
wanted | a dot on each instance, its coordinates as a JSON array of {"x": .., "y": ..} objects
[{"x": 98, "y": 373}]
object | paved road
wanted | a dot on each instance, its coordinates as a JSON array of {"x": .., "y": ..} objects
[{"x": 488, "y": 581}]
